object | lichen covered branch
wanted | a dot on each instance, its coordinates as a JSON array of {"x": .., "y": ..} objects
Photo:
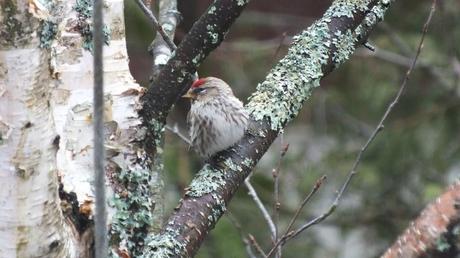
[
  {"x": 435, "y": 233},
  {"x": 206, "y": 34},
  {"x": 315, "y": 52}
]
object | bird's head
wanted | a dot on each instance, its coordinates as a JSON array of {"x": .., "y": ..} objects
[{"x": 208, "y": 88}]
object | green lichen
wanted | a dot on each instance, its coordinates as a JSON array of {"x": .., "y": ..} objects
[
  {"x": 157, "y": 128},
  {"x": 345, "y": 45},
  {"x": 206, "y": 181},
  {"x": 47, "y": 33},
  {"x": 442, "y": 244},
  {"x": 84, "y": 9},
  {"x": 212, "y": 9},
  {"x": 347, "y": 8},
  {"x": 217, "y": 210},
  {"x": 197, "y": 58},
  {"x": 232, "y": 166},
  {"x": 242, "y": 2},
  {"x": 11, "y": 28},
  {"x": 247, "y": 162},
  {"x": 164, "y": 245},
  {"x": 134, "y": 206},
  {"x": 375, "y": 15},
  {"x": 456, "y": 230},
  {"x": 182, "y": 77},
  {"x": 379, "y": 12},
  {"x": 280, "y": 97},
  {"x": 212, "y": 35}
]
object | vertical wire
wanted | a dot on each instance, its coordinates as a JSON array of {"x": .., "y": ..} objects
[{"x": 100, "y": 232}]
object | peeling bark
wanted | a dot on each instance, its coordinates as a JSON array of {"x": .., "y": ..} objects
[
  {"x": 46, "y": 131},
  {"x": 31, "y": 222}
]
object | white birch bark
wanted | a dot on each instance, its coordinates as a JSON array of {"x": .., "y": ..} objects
[
  {"x": 31, "y": 223},
  {"x": 46, "y": 127}
]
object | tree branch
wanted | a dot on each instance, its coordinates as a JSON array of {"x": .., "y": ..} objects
[
  {"x": 252, "y": 192},
  {"x": 371, "y": 138},
  {"x": 314, "y": 53},
  {"x": 169, "y": 18},
  {"x": 244, "y": 239},
  {"x": 206, "y": 34},
  {"x": 156, "y": 24},
  {"x": 290, "y": 234},
  {"x": 434, "y": 233}
]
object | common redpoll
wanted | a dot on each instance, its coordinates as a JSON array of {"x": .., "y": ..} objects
[{"x": 217, "y": 119}]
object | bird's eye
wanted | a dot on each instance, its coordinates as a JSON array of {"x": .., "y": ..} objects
[{"x": 199, "y": 90}]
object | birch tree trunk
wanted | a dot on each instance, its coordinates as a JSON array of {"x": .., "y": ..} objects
[{"x": 46, "y": 138}]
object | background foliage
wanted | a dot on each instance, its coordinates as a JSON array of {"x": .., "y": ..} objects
[{"x": 409, "y": 164}]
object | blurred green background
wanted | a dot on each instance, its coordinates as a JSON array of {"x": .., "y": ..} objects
[{"x": 412, "y": 160}]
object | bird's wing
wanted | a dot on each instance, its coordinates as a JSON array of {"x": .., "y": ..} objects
[{"x": 189, "y": 124}]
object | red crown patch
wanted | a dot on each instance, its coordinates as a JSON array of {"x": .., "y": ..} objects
[{"x": 198, "y": 83}]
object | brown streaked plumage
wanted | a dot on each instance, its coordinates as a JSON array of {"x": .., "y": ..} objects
[{"x": 217, "y": 119}]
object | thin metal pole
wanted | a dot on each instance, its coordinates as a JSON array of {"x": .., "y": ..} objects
[{"x": 100, "y": 232}]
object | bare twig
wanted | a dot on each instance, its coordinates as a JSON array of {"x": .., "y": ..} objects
[
  {"x": 239, "y": 228},
  {"x": 318, "y": 184},
  {"x": 168, "y": 17},
  {"x": 369, "y": 46},
  {"x": 156, "y": 24},
  {"x": 360, "y": 127},
  {"x": 276, "y": 195},
  {"x": 175, "y": 130},
  {"x": 405, "y": 61},
  {"x": 256, "y": 245},
  {"x": 280, "y": 45},
  {"x": 396, "y": 39},
  {"x": 252, "y": 192},
  {"x": 288, "y": 233},
  {"x": 377, "y": 129}
]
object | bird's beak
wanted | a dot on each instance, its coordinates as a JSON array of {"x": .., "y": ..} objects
[{"x": 189, "y": 94}]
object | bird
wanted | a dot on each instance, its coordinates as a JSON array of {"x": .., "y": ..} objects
[{"x": 217, "y": 119}]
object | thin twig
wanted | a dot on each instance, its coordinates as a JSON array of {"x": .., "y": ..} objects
[
  {"x": 280, "y": 45},
  {"x": 287, "y": 233},
  {"x": 313, "y": 191},
  {"x": 156, "y": 24},
  {"x": 402, "y": 60},
  {"x": 252, "y": 192},
  {"x": 276, "y": 203},
  {"x": 276, "y": 196},
  {"x": 396, "y": 39},
  {"x": 168, "y": 18},
  {"x": 377, "y": 129},
  {"x": 175, "y": 130},
  {"x": 239, "y": 228},
  {"x": 256, "y": 245},
  {"x": 100, "y": 231}
]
